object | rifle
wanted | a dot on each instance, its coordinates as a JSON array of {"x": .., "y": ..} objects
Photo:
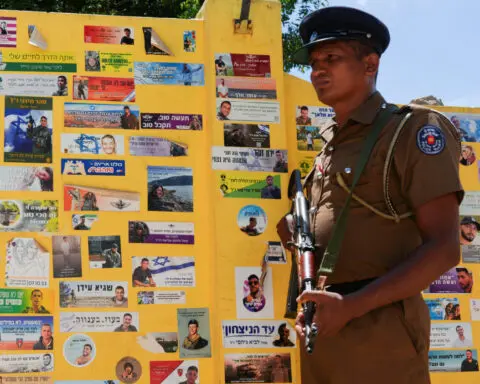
[{"x": 302, "y": 275}]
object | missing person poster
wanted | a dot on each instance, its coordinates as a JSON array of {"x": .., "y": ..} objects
[
  {"x": 453, "y": 361},
  {"x": 28, "y": 215},
  {"x": 109, "y": 116},
  {"x": 80, "y": 198},
  {"x": 451, "y": 335},
  {"x": 26, "y": 178},
  {"x": 99, "y": 322},
  {"x": 171, "y": 121},
  {"x": 170, "y": 189},
  {"x": 88, "y": 294},
  {"x": 155, "y": 232},
  {"x": 194, "y": 332},
  {"x": 92, "y": 167},
  {"x": 103, "y": 88},
  {"x": 155, "y": 73},
  {"x": 254, "y": 293},
  {"x": 35, "y": 301},
  {"x": 245, "y": 65},
  {"x": 33, "y": 85},
  {"x": 456, "y": 280},
  {"x": 246, "y": 88},
  {"x": 28, "y": 129},
  {"x": 27, "y": 263},
  {"x": 174, "y": 371},
  {"x": 156, "y": 146},
  {"x": 99, "y": 61},
  {"x": 165, "y": 271},
  {"x": 249, "y": 185},
  {"x": 258, "y": 334},
  {"x": 26, "y": 333},
  {"x": 246, "y": 135},
  {"x": 102, "y": 34},
  {"x": 23, "y": 61},
  {"x": 161, "y": 297},
  {"x": 444, "y": 308},
  {"x": 248, "y": 110},
  {"x": 159, "y": 342},
  {"x": 249, "y": 159},
  {"x": 92, "y": 144},
  {"x": 258, "y": 368},
  {"x": 26, "y": 363}
]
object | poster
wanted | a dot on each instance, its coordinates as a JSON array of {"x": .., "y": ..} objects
[
  {"x": 92, "y": 167},
  {"x": 81, "y": 198},
  {"x": 249, "y": 185},
  {"x": 254, "y": 293},
  {"x": 313, "y": 115},
  {"x": 155, "y": 73},
  {"x": 161, "y": 297},
  {"x": 258, "y": 334},
  {"x": 244, "y": 65},
  {"x": 88, "y": 294},
  {"x": 156, "y": 146},
  {"x": 252, "y": 220},
  {"x": 26, "y": 178},
  {"x": 165, "y": 271},
  {"x": 246, "y": 135},
  {"x": 99, "y": 322},
  {"x": 309, "y": 138},
  {"x": 155, "y": 232},
  {"x": 170, "y": 189},
  {"x": 79, "y": 350},
  {"x": 159, "y": 342},
  {"x": 104, "y": 252},
  {"x": 453, "y": 361},
  {"x": 92, "y": 144},
  {"x": 248, "y": 110},
  {"x": 67, "y": 256},
  {"x": 189, "y": 41},
  {"x": 451, "y": 335},
  {"x": 99, "y": 61},
  {"x": 33, "y": 85},
  {"x": 174, "y": 371},
  {"x": 27, "y": 263},
  {"x": 444, "y": 308},
  {"x": 24, "y": 61},
  {"x": 28, "y": 215},
  {"x": 28, "y": 129},
  {"x": 8, "y": 31},
  {"x": 194, "y": 332},
  {"x": 468, "y": 124},
  {"x": 245, "y": 88},
  {"x": 103, "y": 88},
  {"x": 455, "y": 280},
  {"x": 83, "y": 222},
  {"x": 171, "y": 121},
  {"x": 258, "y": 368},
  {"x": 249, "y": 159},
  {"x": 36, "y": 301},
  {"x": 109, "y": 116},
  {"x": 26, "y": 333},
  {"x": 109, "y": 35},
  {"x": 26, "y": 363}
]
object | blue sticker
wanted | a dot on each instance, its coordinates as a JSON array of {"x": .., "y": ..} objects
[{"x": 430, "y": 140}]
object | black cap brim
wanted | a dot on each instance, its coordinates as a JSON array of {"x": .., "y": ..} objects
[{"x": 302, "y": 55}]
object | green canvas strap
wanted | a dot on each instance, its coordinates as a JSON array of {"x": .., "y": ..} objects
[{"x": 333, "y": 248}]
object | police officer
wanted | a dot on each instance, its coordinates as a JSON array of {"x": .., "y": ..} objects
[
  {"x": 400, "y": 234},
  {"x": 41, "y": 137}
]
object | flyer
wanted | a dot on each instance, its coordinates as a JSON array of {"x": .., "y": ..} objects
[
  {"x": 35, "y": 301},
  {"x": 26, "y": 178},
  {"x": 88, "y": 294},
  {"x": 249, "y": 159},
  {"x": 194, "y": 332},
  {"x": 171, "y": 121},
  {"x": 246, "y": 88},
  {"x": 174, "y": 372},
  {"x": 109, "y": 35},
  {"x": 155, "y": 232},
  {"x": 26, "y": 363},
  {"x": 8, "y": 29},
  {"x": 110, "y": 116},
  {"x": 452, "y": 361},
  {"x": 170, "y": 189},
  {"x": 456, "y": 280},
  {"x": 258, "y": 368},
  {"x": 156, "y": 146},
  {"x": 468, "y": 125},
  {"x": 248, "y": 110},
  {"x": 155, "y": 297},
  {"x": 92, "y": 144},
  {"x": 103, "y": 88},
  {"x": 254, "y": 293},
  {"x": 167, "y": 271},
  {"x": 81, "y": 198},
  {"x": 83, "y": 222},
  {"x": 444, "y": 308},
  {"x": 258, "y": 334},
  {"x": 451, "y": 335},
  {"x": 33, "y": 85},
  {"x": 28, "y": 215},
  {"x": 12, "y": 60},
  {"x": 155, "y": 73},
  {"x": 246, "y": 65},
  {"x": 99, "y": 61},
  {"x": 79, "y": 350},
  {"x": 104, "y": 252},
  {"x": 159, "y": 342},
  {"x": 99, "y": 322},
  {"x": 309, "y": 138},
  {"x": 26, "y": 333},
  {"x": 246, "y": 135},
  {"x": 241, "y": 184},
  {"x": 313, "y": 115},
  {"x": 67, "y": 256},
  {"x": 92, "y": 167}
]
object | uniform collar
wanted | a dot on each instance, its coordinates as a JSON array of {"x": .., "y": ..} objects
[{"x": 366, "y": 113}]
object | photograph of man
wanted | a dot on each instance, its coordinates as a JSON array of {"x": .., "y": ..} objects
[
  {"x": 126, "y": 39},
  {"x": 47, "y": 361},
  {"x": 192, "y": 375},
  {"x": 3, "y": 28},
  {"x": 92, "y": 61},
  {"x": 81, "y": 225},
  {"x": 62, "y": 86},
  {"x": 309, "y": 139},
  {"x": 86, "y": 355},
  {"x": 465, "y": 279},
  {"x": 119, "y": 300},
  {"x": 109, "y": 145},
  {"x": 82, "y": 90},
  {"x": 225, "y": 108},
  {"x": 283, "y": 337},
  {"x": 250, "y": 229},
  {"x": 36, "y": 298},
  {"x": 194, "y": 340},
  {"x": 127, "y": 324},
  {"x": 469, "y": 364},
  {"x": 222, "y": 89},
  {"x": 461, "y": 341},
  {"x": 40, "y": 136},
  {"x": 270, "y": 191},
  {"x": 142, "y": 276},
  {"x": 46, "y": 340},
  {"x": 468, "y": 155},
  {"x": 89, "y": 202},
  {"x": 128, "y": 119},
  {"x": 303, "y": 119},
  {"x": 187, "y": 73},
  {"x": 138, "y": 231},
  {"x": 255, "y": 300},
  {"x": 464, "y": 136},
  {"x": 128, "y": 373},
  {"x": 281, "y": 165},
  {"x": 65, "y": 247},
  {"x": 113, "y": 259},
  {"x": 220, "y": 67},
  {"x": 469, "y": 228},
  {"x": 452, "y": 312}
]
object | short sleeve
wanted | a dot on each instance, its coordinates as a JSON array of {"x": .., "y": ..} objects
[{"x": 427, "y": 159}]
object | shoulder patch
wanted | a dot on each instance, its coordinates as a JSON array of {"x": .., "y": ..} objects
[{"x": 430, "y": 140}]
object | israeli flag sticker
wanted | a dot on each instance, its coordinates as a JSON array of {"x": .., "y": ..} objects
[{"x": 430, "y": 140}]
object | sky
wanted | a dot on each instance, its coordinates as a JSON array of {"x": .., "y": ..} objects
[{"x": 434, "y": 49}]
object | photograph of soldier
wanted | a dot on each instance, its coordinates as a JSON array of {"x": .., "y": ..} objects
[
  {"x": 192, "y": 375},
  {"x": 62, "y": 86},
  {"x": 47, "y": 363},
  {"x": 81, "y": 91},
  {"x": 46, "y": 339},
  {"x": 127, "y": 324},
  {"x": 92, "y": 61},
  {"x": 280, "y": 165},
  {"x": 138, "y": 231},
  {"x": 469, "y": 364},
  {"x": 303, "y": 118},
  {"x": 461, "y": 341},
  {"x": 128, "y": 119},
  {"x": 41, "y": 137},
  {"x": 120, "y": 300},
  {"x": 81, "y": 225},
  {"x": 145, "y": 297},
  {"x": 104, "y": 252},
  {"x": 283, "y": 337},
  {"x": 89, "y": 202},
  {"x": 67, "y": 256},
  {"x": 194, "y": 340},
  {"x": 246, "y": 135},
  {"x": 86, "y": 356},
  {"x": 126, "y": 39},
  {"x": 112, "y": 257},
  {"x": 142, "y": 275},
  {"x": 252, "y": 220},
  {"x": 468, "y": 155},
  {"x": 36, "y": 299},
  {"x": 251, "y": 229},
  {"x": 225, "y": 109},
  {"x": 270, "y": 191}
]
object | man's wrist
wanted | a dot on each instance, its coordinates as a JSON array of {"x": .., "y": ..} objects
[{"x": 358, "y": 304}]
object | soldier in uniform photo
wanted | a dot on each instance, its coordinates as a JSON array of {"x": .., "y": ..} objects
[
  {"x": 62, "y": 86},
  {"x": 192, "y": 375},
  {"x": 129, "y": 120},
  {"x": 370, "y": 305},
  {"x": 36, "y": 298},
  {"x": 41, "y": 137},
  {"x": 113, "y": 259},
  {"x": 194, "y": 340}
]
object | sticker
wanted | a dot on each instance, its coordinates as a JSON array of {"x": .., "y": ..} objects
[
  {"x": 104, "y": 252},
  {"x": 249, "y": 159},
  {"x": 194, "y": 332},
  {"x": 33, "y": 85},
  {"x": 96, "y": 61},
  {"x": 99, "y": 321},
  {"x": 248, "y": 110},
  {"x": 258, "y": 368},
  {"x": 313, "y": 115},
  {"x": 467, "y": 124},
  {"x": 128, "y": 370},
  {"x": 34, "y": 179},
  {"x": 444, "y": 308},
  {"x": 170, "y": 189},
  {"x": 153, "y": 44},
  {"x": 258, "y": 334},
  {"x": 80, "y": 198},
  {"x": 27, "y": 263},
  {"x": 155, "y": 232},
  {"x": 246, "y": 65},
  {"x": 92, "y": 294},
  {"x": 455, "y": 280},
  {"x": 28, "y": 216},
  {"x": 252, "y": 220},
  {"x": 453, "y": 361},
  {"x": 8, "y": 32},
  {"x": 67, "y": 256},
  {"x": 37, "y": 301},
  {"x": 91, "y": 167},
  {"x": 254, "y": 293},
  {"x": 103, "y": 88},
  {"x": 79, "y": 350},
  {"x": 468, "y": 156},
  {"x": 174, "y": 371},
  {"x": 451, "y": 335},
  {"x": 26, "y": 363},
  {"x": 163, "y": 271},
  {"x": 189, "y": 41},
  {"x": 249, "y": 185},
  {"x": 28, "y": 129},
  {"x": 154, "y": 73},
  {"x": 155, "y": 146},
  {"x": 171, "y": 121},
  {"x": 275, "y": 253},
  {"x": 94, "y": 144},
  {"x": 159, "y": 342},
  {"x": 109, "y": 116},
  {"x": 23, "y": 61},
  {"x": 430, "y": 140},
  {"x": 246, "y": 135},
  {"x": 83, "y": 222},
  {"x": 108, "y": 35},
  {"x": 26, "y": 333},
  {"x": 309, "y": 139},
  {"x": 155, "y": 297},
  {"x": 245, "y": 88}
]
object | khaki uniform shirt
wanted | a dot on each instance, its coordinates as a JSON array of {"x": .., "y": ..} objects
[{"x": 372, "y": 245}]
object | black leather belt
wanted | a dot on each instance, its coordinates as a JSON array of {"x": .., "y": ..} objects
[{"x": 350, "y": 287}]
